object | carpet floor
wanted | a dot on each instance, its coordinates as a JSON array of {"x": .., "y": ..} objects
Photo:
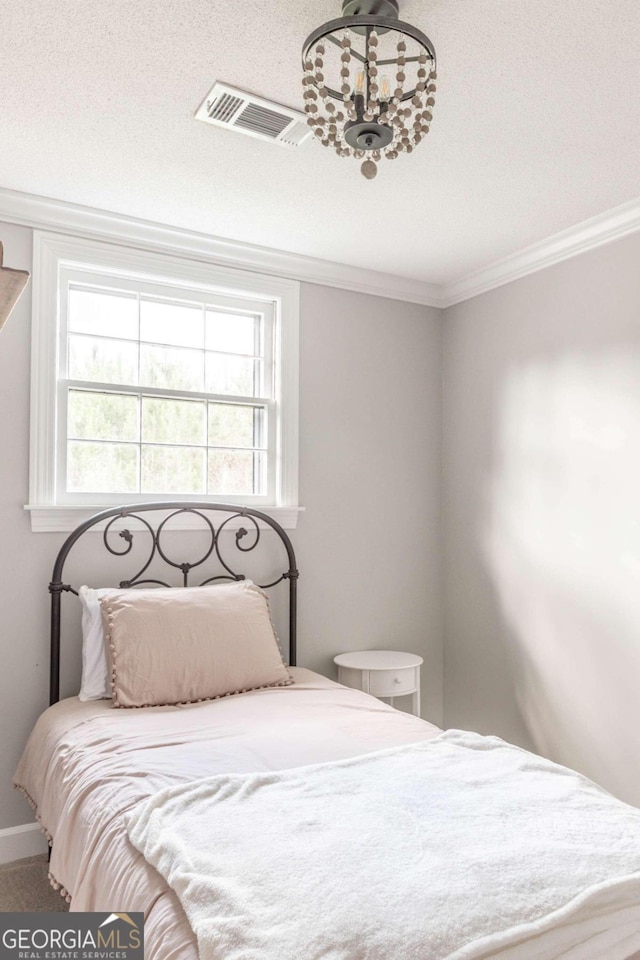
[{"x": 24, "y": 887}]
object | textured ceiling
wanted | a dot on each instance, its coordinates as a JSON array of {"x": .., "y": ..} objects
[{"x": 536, "y": 125}]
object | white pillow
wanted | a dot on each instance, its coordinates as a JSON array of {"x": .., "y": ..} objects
[{"x": 95, "y": 677}]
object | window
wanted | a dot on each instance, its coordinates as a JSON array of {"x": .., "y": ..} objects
[
  {"x": 158, "y": 378},
  {"x": 163, "y": 393}
]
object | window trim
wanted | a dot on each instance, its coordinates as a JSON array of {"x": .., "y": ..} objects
[{"x": 52, "y": 252}]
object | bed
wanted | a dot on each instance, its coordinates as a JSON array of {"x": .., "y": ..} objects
[{"x": 88, "y": 770}]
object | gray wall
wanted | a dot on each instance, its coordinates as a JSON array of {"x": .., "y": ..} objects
[
  {"x": 542, "y": 513},
  {"x": 368, "y": 544},
  {"x": 542, "y": 527}
]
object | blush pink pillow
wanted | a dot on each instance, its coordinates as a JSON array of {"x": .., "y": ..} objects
[{"x": 175, "y": 645}]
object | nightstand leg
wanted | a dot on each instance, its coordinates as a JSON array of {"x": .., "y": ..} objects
[{"x": 416, "y": 703}]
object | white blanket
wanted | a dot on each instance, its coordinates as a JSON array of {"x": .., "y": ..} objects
[{"x": 463, "y": 847}]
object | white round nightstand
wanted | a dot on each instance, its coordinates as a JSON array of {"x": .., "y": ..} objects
[{"x": 383, "y": 673}]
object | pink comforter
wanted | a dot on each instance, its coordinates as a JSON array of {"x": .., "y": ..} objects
[{"x": 86, "y": 765}]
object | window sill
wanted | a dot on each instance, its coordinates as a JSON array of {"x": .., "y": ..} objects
[{"x": 65, "y": 519}]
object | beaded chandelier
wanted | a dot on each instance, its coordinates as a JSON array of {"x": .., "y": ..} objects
[{"x": 369, "y": 83}]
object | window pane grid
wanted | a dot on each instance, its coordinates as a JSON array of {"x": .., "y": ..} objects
[
  {"x": 141, "y": 363},
  {"x": 92, "y": 414},
  {"x": 107, "y": 466},
  {"x": 150, "y": 444},
  {"x": 191, "y": 440},
  {"x": 73, "y": 334}
]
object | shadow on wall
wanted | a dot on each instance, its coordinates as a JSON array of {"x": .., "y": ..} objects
[{"x": 563, "y": 546}]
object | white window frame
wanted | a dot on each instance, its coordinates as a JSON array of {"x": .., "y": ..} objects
[{"x": 55, "y": 259}]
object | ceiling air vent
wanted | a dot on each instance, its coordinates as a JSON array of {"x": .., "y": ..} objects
[{"x": 225, "y": 106}]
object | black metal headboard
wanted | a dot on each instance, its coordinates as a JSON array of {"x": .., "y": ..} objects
[{"x": 57, "y": 586}]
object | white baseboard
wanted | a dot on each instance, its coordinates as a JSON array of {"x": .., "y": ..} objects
[{"x": 24, "y": 841}]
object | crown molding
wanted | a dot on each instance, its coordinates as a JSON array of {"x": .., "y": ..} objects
[
  {"x": 585, "y": 236},
  {"x": 58, "y": 216}
]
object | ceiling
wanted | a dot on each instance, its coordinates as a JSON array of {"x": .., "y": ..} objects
[{"x": 536, "y": 126}]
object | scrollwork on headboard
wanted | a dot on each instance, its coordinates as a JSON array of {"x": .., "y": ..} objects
[{"x": 246, "y": 540}]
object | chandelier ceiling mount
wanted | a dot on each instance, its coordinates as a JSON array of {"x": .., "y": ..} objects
[{"x": 373, "y": 8}]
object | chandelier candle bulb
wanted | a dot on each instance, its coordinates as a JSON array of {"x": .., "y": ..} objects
[{"x": 378, "y": 108}]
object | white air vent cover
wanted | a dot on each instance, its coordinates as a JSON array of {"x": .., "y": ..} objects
[{"x": 225, "y": 106}]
